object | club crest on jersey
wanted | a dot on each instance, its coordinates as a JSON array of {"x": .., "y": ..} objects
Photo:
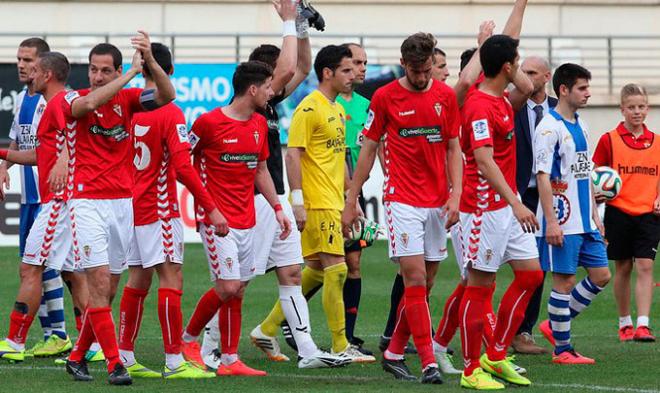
[
  {"x": 560, "y": 202},
  {"x": 256, "y": 136},
  {"x": 229, "y": 262},
  {"x": 480, "y": 130},
  {"x": 41, "y": 109},
  {"x": 87, "y": 250},
  {"x": 404, "y": 239},
  {"x": 489, "y": 256},
  {"x": 117, "y": 109},
  {"x": 438, "y": 108}
]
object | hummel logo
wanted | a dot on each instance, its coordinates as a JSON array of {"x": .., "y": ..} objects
[
  {"x": 233, "y": 140},
  {"x": 506, "y": 118},
  {"x": 407, "y": 113}
]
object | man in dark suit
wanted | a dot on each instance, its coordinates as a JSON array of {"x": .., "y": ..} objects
[{"x": 526, "y": 119}]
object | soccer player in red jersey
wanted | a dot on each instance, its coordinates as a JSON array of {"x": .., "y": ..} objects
[
  {"x": 162, "y": 156},
  {"x": 50, "y": 238},
  {"x": 418, "y": 119},
  {"x": 496, "y": 227},
  {"x": 98, "y": 127},
  {"x": 230, "y": 148}
]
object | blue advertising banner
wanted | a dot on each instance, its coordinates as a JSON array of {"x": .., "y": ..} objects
[{"x": 202, "y": 87}]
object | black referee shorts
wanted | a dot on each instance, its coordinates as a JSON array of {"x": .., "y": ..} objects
[
  {"x": 631, "y": 236},
  {"x": 356, "y": 245}
]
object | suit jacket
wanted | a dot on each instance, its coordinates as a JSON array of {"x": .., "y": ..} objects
[{"x": 525, "y": 151}]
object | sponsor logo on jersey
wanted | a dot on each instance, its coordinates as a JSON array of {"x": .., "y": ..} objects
[
  {"x": 419, "y": 131},
  {"x": 581, "y": 168},
  {"x": 480, "y": 130},
  {"x": 637, "y": 170},
  {"x": 250, "y": 159},
  {"x": 118, "y": 132}
]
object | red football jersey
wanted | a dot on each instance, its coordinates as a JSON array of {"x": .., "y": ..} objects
[
  {"x": 50, "y": 143},
  {"x": 487, "y": 121},
  {"x": 415, "y": 128},
  {"x": 158, "y": 135},
  {"x": 226, "y": 153},
  {"x": 103, "y": 148}
]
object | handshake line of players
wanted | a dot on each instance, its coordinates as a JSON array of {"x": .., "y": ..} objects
[{"x": 109, "y": 158}]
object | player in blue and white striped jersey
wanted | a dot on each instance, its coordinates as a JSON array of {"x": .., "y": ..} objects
[
  {"x": 30, "y": 106},
  {"x": 571, "y": 231}
]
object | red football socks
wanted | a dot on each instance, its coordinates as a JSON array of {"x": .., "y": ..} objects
[
  {"x": 401, "y": 332},
  {"x": 104, "y": 329},
  {"x": 419, "y": 321},
  {"x": 85, "y": 339},
  {"x": 511, "y": 311},
  {"x": 230, "y": 325},
  {"x": 19, "y": 325},
  {"x": 171, "y": 320},
  {"x": 131, "y": 309},
  {"x": 449, "y": 322},
  {"x": 206, "y": 307},
  {"x": 471, "y": 321}
]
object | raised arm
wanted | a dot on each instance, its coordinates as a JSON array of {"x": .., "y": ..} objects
[
  {"x": 514, "y": 23},
  {"x": 468, "y": 75},
  {"x": 285, "y": 68},
  {"x": 164, "y": 92}
]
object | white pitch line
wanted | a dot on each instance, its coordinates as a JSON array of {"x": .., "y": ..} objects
[{"x": 350, "y": 378}]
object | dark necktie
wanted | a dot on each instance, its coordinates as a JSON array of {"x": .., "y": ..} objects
[{"x": 538, "y": 110}]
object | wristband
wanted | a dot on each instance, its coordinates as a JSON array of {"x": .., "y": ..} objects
[
  {"x": 277, "y": 208},
  {"x": 297, "y": 198},
  {"x": 289, "y": 28},
  {"x": 3, "y": 154}
]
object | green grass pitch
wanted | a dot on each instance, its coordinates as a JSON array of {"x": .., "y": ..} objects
[{"x": 630, "y": 367}]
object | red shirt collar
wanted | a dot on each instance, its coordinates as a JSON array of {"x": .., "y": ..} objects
[{"x": 646, "y": 135}]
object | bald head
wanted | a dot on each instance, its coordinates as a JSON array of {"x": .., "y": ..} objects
[{"x": 538, "y": 70}]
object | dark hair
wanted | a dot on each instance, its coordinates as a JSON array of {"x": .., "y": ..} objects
[
  {"x": 438, "y": 51},
  {"x": 418, "y": 48},
  {"x": 35, "y": 42},
  {"x": 163, "y": 57},
  {"x": 107, "y": 49},
  {"x": 497, "y": 51},
  {"x": 568, "y": 74},
  {"x": 330, "y": 57},
  {"x": 466, "y": 56},
  {"x": 265, "y": 53},
  {"x": 56, "y": 63},
  {"x": 250, "y": 73}
]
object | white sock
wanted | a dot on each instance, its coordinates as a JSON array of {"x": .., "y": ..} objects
[
  {"x": 625, "y": 321},
  {"x": 95, "y": 347},
  {"x": 127, "y": 357},
  {"x": 296, "y": 311},
  {"x": 187, "y": 337},
  {"x": 438, "y": 348},
  {"x": 173, "y": 360},
  {"x": 211, "y": 338},
  {"x": 642, "y": 320},
  {"x": 392, "y": 356},
  {"x": 16, "y": 346},
  {"x": 228, "y": 359}
]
